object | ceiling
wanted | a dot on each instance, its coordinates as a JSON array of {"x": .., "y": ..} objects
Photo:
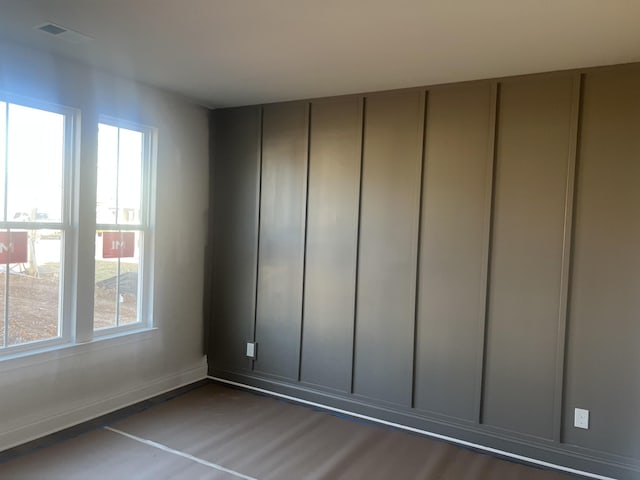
[{"x": 236, "y": 52}]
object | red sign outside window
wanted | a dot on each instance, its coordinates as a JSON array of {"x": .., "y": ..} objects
[
  {"x": 13, "y": 247},
  {"x": 118, "y": 244}
]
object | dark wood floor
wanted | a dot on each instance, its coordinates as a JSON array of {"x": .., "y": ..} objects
[{"x": 215, "y": 432}]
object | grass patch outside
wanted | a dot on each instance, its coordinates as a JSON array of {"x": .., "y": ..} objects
[{"x": 104, "y": 269}]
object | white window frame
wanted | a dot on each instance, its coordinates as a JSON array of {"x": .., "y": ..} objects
[
  {"x": 68, "y": 244},
  {"x": 76, "y": 330},
  {"x": 147, "y": 220}
]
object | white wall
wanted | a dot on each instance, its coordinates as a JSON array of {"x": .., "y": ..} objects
[{"x": 43, "y": 393}]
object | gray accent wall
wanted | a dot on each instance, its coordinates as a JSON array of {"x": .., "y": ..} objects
[
  {"x": 458, "y": 258},
  {"x": 456, "y": 204},
  {"x": 389, "y": 212},
  {"x": 282, "y": 238},
  {"x": 335, "y": 157},
  {"x": 234, "y": 186},
  {"x": 525, "y": 272},
  {"x": 603, "y": 349}
]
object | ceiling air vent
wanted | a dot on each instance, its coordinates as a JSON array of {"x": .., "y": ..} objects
[
  {"x": 52, "y": 29},
  {"x": 63, "y": 33}
]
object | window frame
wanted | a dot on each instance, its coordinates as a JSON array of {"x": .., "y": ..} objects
[
  {"x": 147, "y": 220},
  {"x": 68, "y": 247},
  {"x": 80, "y": 158}
]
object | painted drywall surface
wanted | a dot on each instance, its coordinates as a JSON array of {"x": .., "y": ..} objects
[
  {"x": 43, "y": 393},
  {"x": 234, "y": 252},
  {"x": 332, "y": 242},
  {"x": 506, "y": 316},
  {"x": 282, "y": 232},
  {"x": 454, "y": 241},
  {"x": 532, "y": 154},
  {"x": 603, "y": 350},
  {"x": 389, "y": 213}
]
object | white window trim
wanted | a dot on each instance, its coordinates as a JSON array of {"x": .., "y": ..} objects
[
  {"x": 146, "y": 226},
  {"x": 65, "y": 321},
  {"x": 75, "y": 332}
]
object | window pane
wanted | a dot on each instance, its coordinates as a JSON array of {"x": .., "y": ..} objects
[
  {"x": 107, "y": 174},
  {"x": 129, "y": 279},
  {"x": 117, "y": 278},
  {"x": 119, "y": 190},
  {"x": 35, "y": 161},
  {"x": 129, "y": 177},
  {"x": 33, "y": 263}
]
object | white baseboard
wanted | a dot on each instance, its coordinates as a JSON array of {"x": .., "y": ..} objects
[{"x": 81, "y": 412}]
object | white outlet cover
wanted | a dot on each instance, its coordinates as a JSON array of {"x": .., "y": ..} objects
[
  {"x": 251, "y": 350},
  {"x": 581, "y": 418}
]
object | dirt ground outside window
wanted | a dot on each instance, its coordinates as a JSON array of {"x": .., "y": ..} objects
[{"x": 34, "y": 301}]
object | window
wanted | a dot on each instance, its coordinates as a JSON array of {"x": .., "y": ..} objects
[
  {"x": 41, "y": 228},
  {"x": 35, "y": 164},
  {"x": 122, "y": 223}
]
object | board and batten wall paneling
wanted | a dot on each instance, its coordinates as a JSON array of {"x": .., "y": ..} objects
[
  {"x": 495, "y": 277},
  {"x": 335, "y": 149},
  {"x": 281, "y": 247},
  {"x": 235, "y": 186},
  {"x": 603, "y": 348},
  {"x": 387, "y": 259},
  {"x": 455, "y": 232},
  {"x": 532, "y": 158}
]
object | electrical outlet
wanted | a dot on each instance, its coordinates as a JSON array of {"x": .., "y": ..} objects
[
  {"x": 251, "y": 350},
  {"x": 581, "y": 418}
]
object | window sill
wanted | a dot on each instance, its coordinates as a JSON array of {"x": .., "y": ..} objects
[{"x": 28, "y": 358}]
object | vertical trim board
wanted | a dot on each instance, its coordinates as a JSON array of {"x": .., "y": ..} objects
[
  {"x": 486, "y": 258},
  {"x": 423, "y": 172},
  {"x": 357, "y": 272},
  {"x": 566, "y": 257}
]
